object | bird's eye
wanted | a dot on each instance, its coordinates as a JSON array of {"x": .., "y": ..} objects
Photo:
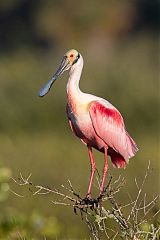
[{"x": 71, "y": 55}]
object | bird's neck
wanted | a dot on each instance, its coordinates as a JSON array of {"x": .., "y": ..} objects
[{"x": 73, "y": 90}]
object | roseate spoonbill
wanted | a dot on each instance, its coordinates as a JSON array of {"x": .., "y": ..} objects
[{"x": 94, "y": 120}]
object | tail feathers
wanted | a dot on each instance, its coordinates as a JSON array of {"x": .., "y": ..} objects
[
  {"x": 132, "y": 146},
  {"x": 117, "y": 159}
]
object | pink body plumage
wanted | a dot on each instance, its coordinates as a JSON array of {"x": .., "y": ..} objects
[{"x": 106, "y": 131}]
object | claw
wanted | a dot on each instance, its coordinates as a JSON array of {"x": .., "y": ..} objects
[{"x": 90, "y": 202}]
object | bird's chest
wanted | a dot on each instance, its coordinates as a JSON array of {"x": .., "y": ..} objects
[{"x": 81, "y": 121}]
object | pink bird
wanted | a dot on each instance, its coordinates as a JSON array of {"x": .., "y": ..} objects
[{"x": 94, "y": 120}]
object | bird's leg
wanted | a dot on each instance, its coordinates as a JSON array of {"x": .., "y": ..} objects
[
  {"x": 93, "y": 168},
  {"x": 105, "y": 169}
]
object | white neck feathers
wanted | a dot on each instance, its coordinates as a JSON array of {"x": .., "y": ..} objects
[{"x": 74, "y": 77}]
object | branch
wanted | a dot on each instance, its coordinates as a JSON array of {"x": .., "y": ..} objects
[{"x": 94, "y": 212}]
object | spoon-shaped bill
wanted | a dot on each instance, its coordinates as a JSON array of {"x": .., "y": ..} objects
[
  {"x": 45, "y": 89},
  {"x": 63, "y": 66}
]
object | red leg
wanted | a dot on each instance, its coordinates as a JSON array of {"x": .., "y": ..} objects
[
  {"x": 105, "y": 169},
  {"x": 93, "y": 168}
]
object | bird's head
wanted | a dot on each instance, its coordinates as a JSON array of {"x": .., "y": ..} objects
[{"x": 69, "y": 59}]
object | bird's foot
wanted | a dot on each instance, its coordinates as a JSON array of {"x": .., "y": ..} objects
[
  {"x": 102, "y": 193},
  {"x": 90, "y": 202},
  {"x": 94, "y": 204}
]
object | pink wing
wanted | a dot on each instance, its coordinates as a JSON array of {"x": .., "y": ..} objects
[{"x": 109, "y": 126}]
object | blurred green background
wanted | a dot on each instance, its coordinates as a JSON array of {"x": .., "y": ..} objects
[{"x": 119, "y": 43}]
